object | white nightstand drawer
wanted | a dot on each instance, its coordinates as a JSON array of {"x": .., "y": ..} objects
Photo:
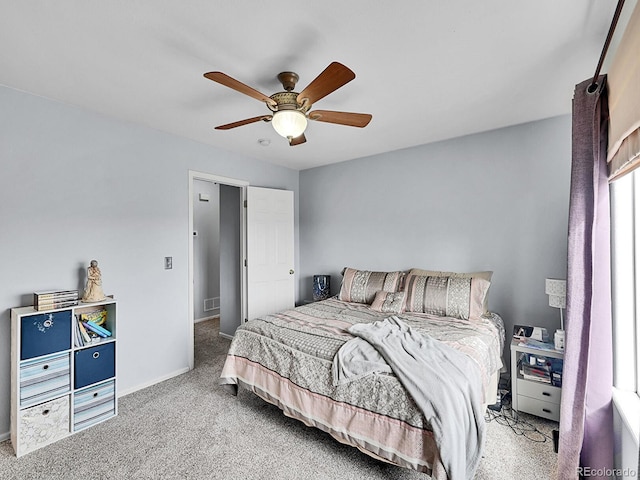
[
  {"x": 539, "y": 391},
  {"x": 538, "y": 407}
]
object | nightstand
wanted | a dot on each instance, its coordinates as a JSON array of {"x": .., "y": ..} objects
[
  {"x": 536, "y": 380},
  {"x": 304, "y": 301}
]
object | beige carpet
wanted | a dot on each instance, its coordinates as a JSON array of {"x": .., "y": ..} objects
[{"x": 189, "y": 428}]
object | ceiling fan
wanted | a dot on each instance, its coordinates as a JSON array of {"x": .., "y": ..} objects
[{"x": 290, "y": 110}]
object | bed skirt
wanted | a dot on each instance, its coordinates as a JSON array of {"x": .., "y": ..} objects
[{"x": 378, "y": 436}]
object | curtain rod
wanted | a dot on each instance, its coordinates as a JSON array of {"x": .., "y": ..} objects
[{"x": 614, "y": 22}]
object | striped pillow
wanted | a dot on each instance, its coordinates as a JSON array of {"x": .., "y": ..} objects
[
  {"x": 360, "y": 286},
  {"x": 436, "y": 273},
  {"x": 388, "y": 302},
  {"x": 457, "y": 297}
]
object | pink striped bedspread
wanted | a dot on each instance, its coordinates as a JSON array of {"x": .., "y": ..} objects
[{"x": 286, "y": 359}]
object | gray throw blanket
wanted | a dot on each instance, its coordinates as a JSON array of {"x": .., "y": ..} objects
[{"x": 444, "y": 383}]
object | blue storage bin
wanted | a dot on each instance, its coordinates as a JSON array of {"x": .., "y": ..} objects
[
  {"x": 94, "y": 364},
  {"x": 45, "y": 333}
]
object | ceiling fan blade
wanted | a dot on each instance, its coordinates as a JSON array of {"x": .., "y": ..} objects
[
  {"x": 342, "y": 118},
  {"x": 298, "y": 140},
  {"x": 332, "y": 78},
  {"x": 247, "y": 121},
  {"x": 227, "y": 81}
]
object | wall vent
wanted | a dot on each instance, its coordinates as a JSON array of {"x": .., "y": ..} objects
[{"x": 211, "y": 304}]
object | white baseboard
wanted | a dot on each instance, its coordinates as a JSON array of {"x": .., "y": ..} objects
[
  {"x": 225, "y": 335},
  {"x": 197, "y": 320},
  {"x": 5, "y": 436},
  {"x": 122, "y": 393}
]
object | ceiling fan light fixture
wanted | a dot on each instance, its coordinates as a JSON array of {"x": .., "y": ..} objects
[{"x": 289, "y": 123}]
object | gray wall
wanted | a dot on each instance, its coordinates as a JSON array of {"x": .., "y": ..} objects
[
  {"x": 74, "y": 186},
  {"x": 230, "y": 260},
  {"x": 206, "y": 248},
  {"x": 492, "y": 201}
]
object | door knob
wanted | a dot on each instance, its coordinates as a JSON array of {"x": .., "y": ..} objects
[{"x": 291, "y": 272}]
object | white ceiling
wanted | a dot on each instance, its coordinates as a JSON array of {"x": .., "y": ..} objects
[{"x": 427, "y": 70}]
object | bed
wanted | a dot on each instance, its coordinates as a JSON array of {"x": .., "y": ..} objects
[{"x": 288, "y": 359}]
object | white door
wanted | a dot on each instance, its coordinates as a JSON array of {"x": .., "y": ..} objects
[{"x": 270, "y": 251}]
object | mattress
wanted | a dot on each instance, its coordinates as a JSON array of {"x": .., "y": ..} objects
[{"x": 286, "y": 358}]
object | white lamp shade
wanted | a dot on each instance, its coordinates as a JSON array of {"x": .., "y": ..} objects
[
  {"x": 555, "y": 286},
  {"x": 557, "y": 291},
  {"x": 289, "y": 123},
  {"x": 557, "y": 301}
]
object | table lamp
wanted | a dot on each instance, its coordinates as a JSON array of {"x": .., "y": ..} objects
[
  {"x": 321, "y": 287},
  {"x": 557, "y": 291}
]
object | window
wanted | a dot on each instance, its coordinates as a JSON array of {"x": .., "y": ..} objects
[{"x": 625, "y": 242}]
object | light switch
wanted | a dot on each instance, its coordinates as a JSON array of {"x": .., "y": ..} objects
[{"x": 168, "y": 263}]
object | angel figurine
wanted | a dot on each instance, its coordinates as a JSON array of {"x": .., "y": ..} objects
[{"x": 93, "y": 291}]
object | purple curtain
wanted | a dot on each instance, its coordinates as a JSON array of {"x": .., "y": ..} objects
[{"x": 586, "y": 414}]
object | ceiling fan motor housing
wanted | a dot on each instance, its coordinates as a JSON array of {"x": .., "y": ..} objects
[{"x": 287, "y": 101}]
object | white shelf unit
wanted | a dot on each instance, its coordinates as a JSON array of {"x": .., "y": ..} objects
[
  {"x": 57, "y": 386},
  {"x": 531, "y": 396}
]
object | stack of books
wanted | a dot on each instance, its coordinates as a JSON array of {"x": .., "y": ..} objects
[
  {"x": 539, "y": 373},
  {"x": 48, "y": 300},
  {"x": 82, "y": 337},
  {"x": 89, "y": 328},
  {"x": 541, "y": 369}
]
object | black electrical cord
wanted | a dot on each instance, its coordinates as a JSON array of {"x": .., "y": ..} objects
[{"x": 508, "y": 417}]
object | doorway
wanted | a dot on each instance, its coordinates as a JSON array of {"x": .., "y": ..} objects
[
  {"x": 216, "y": 252},
  {"x": 206, "y": 250}
]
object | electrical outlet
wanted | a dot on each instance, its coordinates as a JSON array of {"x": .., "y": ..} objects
[{"x": 168, "y": 263}]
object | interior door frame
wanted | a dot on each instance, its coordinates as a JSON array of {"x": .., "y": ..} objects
[{"x": 242, "y": 184}]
